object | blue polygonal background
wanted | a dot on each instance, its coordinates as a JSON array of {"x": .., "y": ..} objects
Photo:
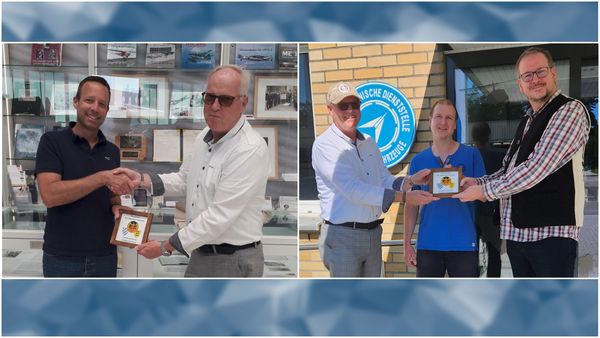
[
  {"x": 300, "y": 307},
  {"x": 293, "y": 21}
]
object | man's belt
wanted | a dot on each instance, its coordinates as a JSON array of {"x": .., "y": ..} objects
[
  {"x": 358, "y": 225},
  {"x": 226, "y": 249}
]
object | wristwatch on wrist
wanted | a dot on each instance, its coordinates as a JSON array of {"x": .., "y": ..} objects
[
  {"x": 410, "y": 181},
  {"x": 163, "y": 249}
]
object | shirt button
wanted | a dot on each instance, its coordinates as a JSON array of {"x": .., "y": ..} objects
[
  {"x": 197, "y": 185},
  {"x": 209, "y": 150},
  {"x": 192, "y": 204},
  {"x": 203, "y": 168}
]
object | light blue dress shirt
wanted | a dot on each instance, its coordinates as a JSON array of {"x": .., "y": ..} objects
[{"x": 353, "y": 183}]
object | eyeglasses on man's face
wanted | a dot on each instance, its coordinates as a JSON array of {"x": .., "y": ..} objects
[
  {"x": 348, "y": 105},
  {"x": 540, "y": 72},
  {"x": 224, "y": 100}
]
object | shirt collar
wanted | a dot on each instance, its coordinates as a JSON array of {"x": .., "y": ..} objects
[
  {"x": 231, "y": 133},
  {"x": 338, "y": 132},
  {"x": 532, "y": 113},
  {"x": 76, "y": 138}
]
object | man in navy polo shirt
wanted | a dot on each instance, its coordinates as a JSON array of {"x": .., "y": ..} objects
[{"x": 74, "y": 172}]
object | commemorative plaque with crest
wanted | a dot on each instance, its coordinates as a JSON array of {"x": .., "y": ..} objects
[
  {"x": 132, "y": 228},
  {"x": 445, "y": 182}
]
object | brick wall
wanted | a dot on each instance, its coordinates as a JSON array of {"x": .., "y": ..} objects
[{"x": 418, "y": 70}]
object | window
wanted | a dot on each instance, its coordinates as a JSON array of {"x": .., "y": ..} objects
[
  {"x": 490, "y": 94},
  {"x": 308, "y": 186}
]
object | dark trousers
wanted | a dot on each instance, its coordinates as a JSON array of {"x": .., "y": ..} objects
[
  {"x": 432, "y": 263},
  {"x": 79, "y": 266},
  {"x": 550, "y": 257},
  {"x": 494, "y": 262}
]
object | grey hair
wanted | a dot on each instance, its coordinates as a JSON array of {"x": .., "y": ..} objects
[{"x": 244, "y": 76}]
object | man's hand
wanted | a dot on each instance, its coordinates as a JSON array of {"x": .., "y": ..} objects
[
  {"x": 150, "y": 249},
  {"x": 421, "y": 177},
  {"x": 120, "y": 184},
  {"x": 133, "y": 175},
  {"x": 410, "y": 256},
  {"x": 467, "y": 182},
  {"x": 472, "y": 193},
  {"x": 419, "y": 197}
]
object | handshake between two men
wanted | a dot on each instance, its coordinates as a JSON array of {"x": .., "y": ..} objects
[{"x": 123, "y": 181}]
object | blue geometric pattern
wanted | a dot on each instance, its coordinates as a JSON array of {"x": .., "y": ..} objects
[
  {"x": 300, "y": 307},
  {"x": 294, "y": 21}
]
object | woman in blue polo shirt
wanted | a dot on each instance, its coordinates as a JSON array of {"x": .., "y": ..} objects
[{"x": 447, "y": 239}]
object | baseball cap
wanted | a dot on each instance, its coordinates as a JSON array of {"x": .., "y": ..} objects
[{"x": 340, "y": 91}]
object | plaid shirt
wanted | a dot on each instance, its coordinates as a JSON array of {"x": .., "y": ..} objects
[{"x": 566, "y": 134}]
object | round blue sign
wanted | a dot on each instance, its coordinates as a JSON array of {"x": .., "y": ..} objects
[{"x": 387, "y": 116}]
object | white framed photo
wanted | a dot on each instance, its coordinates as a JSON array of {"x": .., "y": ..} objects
[{"x": 275, "y": 98}]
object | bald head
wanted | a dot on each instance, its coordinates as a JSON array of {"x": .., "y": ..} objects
[{"x": 234, "y": 71}]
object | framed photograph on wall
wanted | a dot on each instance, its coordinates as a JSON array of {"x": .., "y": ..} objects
[
  {"x": 269, "y": 134},
  {"x": 275, "y": 98},
  {"x": 255, "y": 56},
  {"x": 185, "y": 102},
  {"x": 121, "y": 54},
  {"x": 198, "y": 55}
]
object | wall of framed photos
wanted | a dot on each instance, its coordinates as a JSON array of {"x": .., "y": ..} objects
[{"x": 155, "y": 113}]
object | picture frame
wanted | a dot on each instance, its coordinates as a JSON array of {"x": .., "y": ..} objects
[
  {"x": 255, "y": 56},
  {"x": 27, "y": 139},
  {"x": 46, "y": 54},
  {"x": 198, "y": 55},
  {"x": 445, "y": 182},
  {"x": 138, "y": 96},
  {"x": 275, "y": 98},
  {"x": 61, "y": 102},
  {"x": 132, "y": 146},
  {"x": 121, "y": 54},
  {"x": 160, "y": 55},
  {"x": 166, "y": 145},
  {"x": 132, "y": 228},
  {"x": 186, "y": 102},
  {"x": 288, "y": 56},
  {"x": 269, "y": 134}
]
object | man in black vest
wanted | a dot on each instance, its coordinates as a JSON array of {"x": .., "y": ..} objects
[{"x": 540, "y": 186}]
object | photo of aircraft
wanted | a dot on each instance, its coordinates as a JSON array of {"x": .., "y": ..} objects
[
  {"x": 195, "y": 57},
  {"x": 120, "y": 53},
  {"x": 256, "y": 58}
]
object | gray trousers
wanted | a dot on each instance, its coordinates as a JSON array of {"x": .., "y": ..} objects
[
  {"x": 242, "y": 263},
  {"x": 348, "y": 252}
]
